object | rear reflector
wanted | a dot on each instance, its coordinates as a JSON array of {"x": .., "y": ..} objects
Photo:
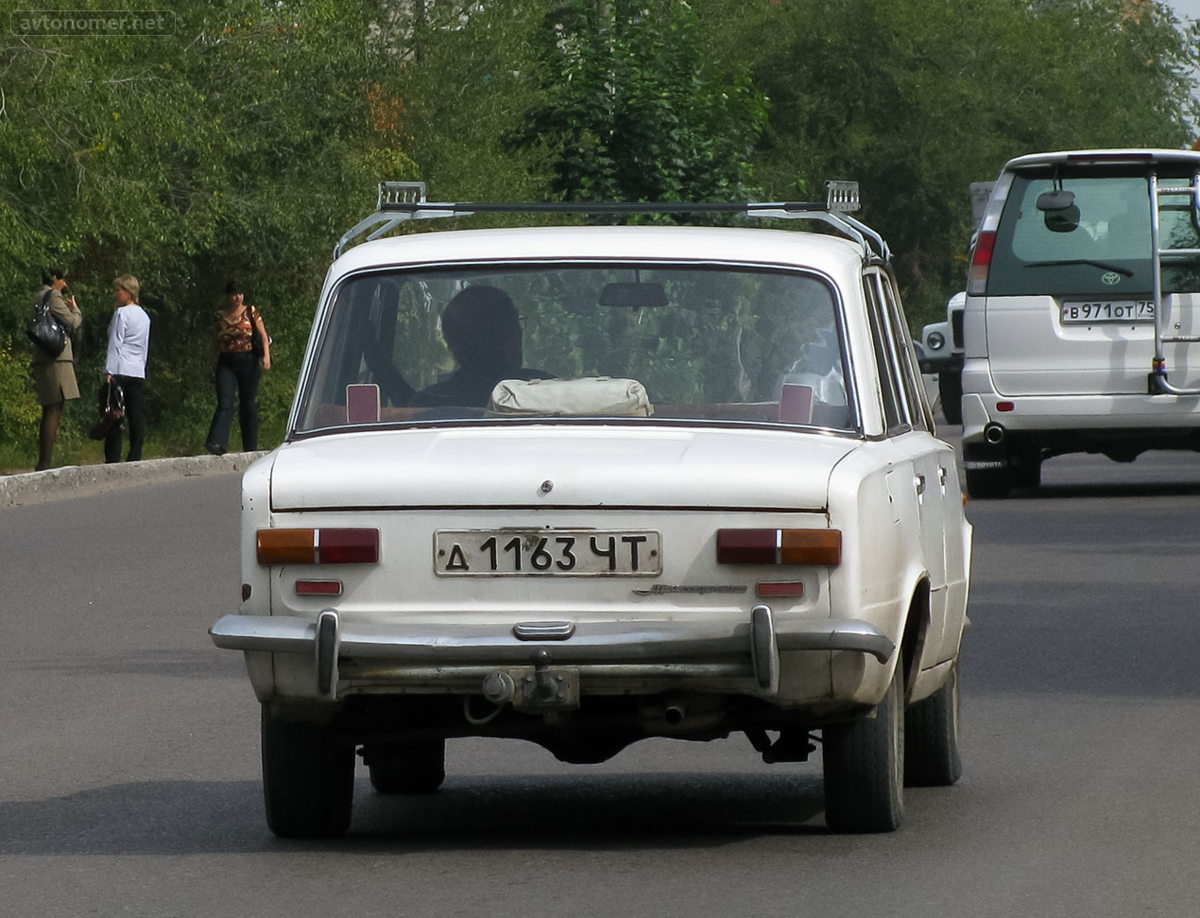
[
  {"x": 981, "y": 261},
  {"x": 1005, "y": 406},
  {"x": 319, "y": 587},
  {"x": 780, "y": 589},
  {"x": 318, "y": 546},
  {"x": 779, "y": 546}
]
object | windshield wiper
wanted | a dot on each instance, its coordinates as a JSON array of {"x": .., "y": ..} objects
[{"x": 1080, "y": 261}]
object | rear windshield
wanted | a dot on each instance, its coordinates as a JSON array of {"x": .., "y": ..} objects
[
  {"x": 580, "y": 341},
  {"x": 1100, "y": 246}
]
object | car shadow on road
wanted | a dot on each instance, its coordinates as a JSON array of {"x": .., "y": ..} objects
[
  {"x": 1106, "y": 490},
  {"x": 602, "y": 812}
]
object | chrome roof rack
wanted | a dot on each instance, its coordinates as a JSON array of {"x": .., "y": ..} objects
[{"x": 402, "y": 201}]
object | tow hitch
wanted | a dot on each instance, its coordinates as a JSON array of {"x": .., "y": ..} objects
[{"x": 541, "y": 688}]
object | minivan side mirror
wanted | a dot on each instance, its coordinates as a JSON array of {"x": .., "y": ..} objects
[
  {"x": 1058, "y": 206},
  {"x": 1055, "y": 200}
]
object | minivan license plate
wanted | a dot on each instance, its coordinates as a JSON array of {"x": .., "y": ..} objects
[
  {"x": 1097, "y": 311},
  {"x": 546, "y": 552}
]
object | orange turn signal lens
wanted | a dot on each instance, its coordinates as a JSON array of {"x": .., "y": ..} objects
[
  {"x": 287, "y": 546},
  {"x": 811, "y": 546}
]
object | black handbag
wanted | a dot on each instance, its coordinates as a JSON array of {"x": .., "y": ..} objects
[
  {"x": 111, "y": 403},
  {"x": 44, "y": 330},
  {"x": 256, "y": 341}
]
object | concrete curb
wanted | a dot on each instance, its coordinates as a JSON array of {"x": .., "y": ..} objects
[{"x": 86, "y": 480}]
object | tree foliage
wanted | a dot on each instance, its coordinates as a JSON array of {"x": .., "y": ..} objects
[
  {"x": 641, "y": 110},
  {"x": 245, "y": 142},
  {"x": 917, "y": 99}
]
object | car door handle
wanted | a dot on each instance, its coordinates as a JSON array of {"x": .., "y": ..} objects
[{"x": 919, "y": 481}]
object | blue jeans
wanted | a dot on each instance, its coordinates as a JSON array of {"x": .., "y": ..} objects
[{"x": 236, "y": 375}]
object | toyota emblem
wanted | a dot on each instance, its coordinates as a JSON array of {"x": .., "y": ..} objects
[{"x": 1111, "y": 278}]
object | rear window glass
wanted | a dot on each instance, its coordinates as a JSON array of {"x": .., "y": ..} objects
[
  {"x": 1100, "y": 246},
  {"x": 502, "y": 343}
]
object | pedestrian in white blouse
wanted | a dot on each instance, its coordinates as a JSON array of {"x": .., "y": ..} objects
[{"x": 128, "y": 342}]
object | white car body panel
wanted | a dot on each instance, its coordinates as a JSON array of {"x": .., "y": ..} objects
[
  {"x": 589, "y": 467},
  {"x": 808, "y": 567}
]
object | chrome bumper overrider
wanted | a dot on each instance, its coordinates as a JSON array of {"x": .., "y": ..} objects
[{"x": 642, "y": 645}]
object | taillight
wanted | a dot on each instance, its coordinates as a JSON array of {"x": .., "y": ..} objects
[
  {"x": 318, "y": 546},
  {"x": 779, "y": 546},
  {"x": 981, "y": 261}
]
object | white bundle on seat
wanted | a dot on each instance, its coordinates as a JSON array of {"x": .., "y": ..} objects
[{"x": 588, "y": 396}]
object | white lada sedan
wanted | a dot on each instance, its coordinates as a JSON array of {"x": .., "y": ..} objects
[{"x": 585, "y": 485}]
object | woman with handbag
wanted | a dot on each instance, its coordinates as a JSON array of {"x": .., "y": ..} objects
[
  {"x": 243, "y": 351},
  {"x": 54, "y": 374},
  {"x": 125, "y": 365}
]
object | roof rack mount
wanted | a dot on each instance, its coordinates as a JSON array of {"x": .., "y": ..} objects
[{"x": 403, "y": 201}]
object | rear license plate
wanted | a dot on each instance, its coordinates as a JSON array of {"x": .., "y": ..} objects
[
  {"x": 1097, "y": 311},
  {"x": 546, "y": 552}
]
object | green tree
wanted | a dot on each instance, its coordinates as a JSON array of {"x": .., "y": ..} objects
[
  {"x": 637, "y": 108},
  {"x": 185, "y": 159},
  {"x": 916, "y": 99}
]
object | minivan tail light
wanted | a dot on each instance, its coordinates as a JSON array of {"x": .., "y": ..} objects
[
  {"x": 981, "y": 261},
  {"x": 318, "y": 546},
  {"x": 779, "y": 546}
]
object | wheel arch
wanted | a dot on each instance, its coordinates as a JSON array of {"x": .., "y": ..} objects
[{"x": 917, "y": 623}]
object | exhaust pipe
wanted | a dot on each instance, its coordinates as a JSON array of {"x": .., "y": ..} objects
[
  {"x": 674, "y": 714},
  {"x": 993, "y": 433}
]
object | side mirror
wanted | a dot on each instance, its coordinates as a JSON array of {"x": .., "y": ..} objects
[{"x": 1049, "y": 201}]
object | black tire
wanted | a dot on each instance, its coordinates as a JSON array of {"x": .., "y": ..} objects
[
  {"x": 411, "y": 768},
  {"x": 864, "y": 768},
  {"x": 988, "y": 484},
  {"x": 950, "y": 392},
  {"x": 1028, "y": 474},
  {"x": 932, "y": 755},
  {"x": 308, "y": 779}
]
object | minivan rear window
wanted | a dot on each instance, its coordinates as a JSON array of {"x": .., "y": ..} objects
[{"x": 1101, "y": 246}]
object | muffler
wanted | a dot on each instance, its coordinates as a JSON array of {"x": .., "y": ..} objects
[{"x": 993, "y": 433}]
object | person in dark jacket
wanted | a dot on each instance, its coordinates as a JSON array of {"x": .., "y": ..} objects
[
  {"x": 54, "y": 377},
  {"x": 483, "y": 332}
]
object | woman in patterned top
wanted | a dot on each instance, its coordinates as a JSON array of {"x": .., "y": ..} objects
[{"x": 237, "y": 371}]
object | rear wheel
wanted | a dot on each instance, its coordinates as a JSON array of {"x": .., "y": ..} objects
[
  {"x": 931, "y": 749},
  {"x": 950, "y": 393},
  {"x": 408, "y": 768},
  {"x": 1028, "y": 475},
  {"x": 986, "y": 484},
  {"x": 308, "y": 779},
  {"x": 864, "y": 768}
]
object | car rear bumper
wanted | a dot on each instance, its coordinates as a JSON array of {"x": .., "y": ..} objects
[
  {"x": 460, "y": 654},
  {"x": 1128, "y": 414}
]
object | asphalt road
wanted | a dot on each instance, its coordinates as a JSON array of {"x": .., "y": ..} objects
[{"x": 129, "y": 780}]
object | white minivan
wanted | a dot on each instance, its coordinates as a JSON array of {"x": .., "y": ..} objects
[{"x": 1080, "y": 324}]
